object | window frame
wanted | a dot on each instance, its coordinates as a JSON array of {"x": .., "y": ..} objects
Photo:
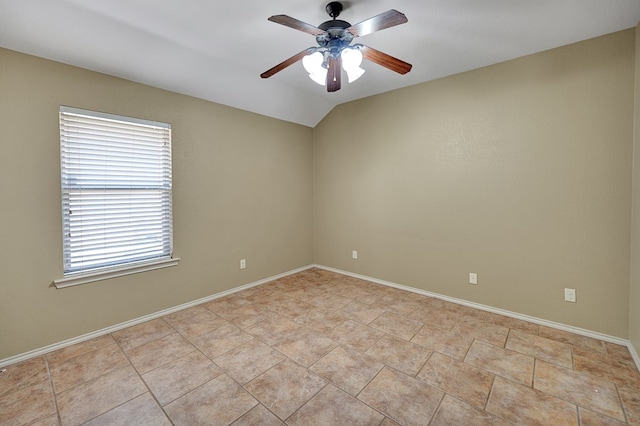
[{"x": 78, "y": 274}]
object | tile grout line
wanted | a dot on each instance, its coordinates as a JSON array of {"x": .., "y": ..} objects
[
  {"x": 264, "y": 372},
  {"x": 365, "y": 386},
  {"x": 141, "y": 379},
  {"x": 53, "y": 391},
  {"x": 493, "y": 386},
  {"x": 329, "y": 383},
  {"x": 486, "y": 402},
  {"x": 624, "y": 411},
  {"x": 415, "y": 376},
  {"x": 435, "y": 412}
]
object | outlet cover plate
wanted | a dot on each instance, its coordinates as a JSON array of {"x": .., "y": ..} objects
[
  {"x": 473, "y": 278},
  {"x": 570, "y": 295}
]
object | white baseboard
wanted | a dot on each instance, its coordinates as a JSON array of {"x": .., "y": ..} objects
[
  {"x": 50, "y": 348},
  {"x": 634, "y": 354},
  {"x": 55, "y": 346},
  {"x": 552, "y": 324}
]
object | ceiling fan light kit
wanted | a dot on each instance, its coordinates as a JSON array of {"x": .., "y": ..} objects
[
  {"x": 313, "y": 63},
  {"x": 351, "y": 60},
  {"x": 317, "y": 64},
  {"x": 335, "y": 51}
]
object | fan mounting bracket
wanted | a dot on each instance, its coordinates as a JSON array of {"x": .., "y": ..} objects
[{"x": 334, "y": 8}]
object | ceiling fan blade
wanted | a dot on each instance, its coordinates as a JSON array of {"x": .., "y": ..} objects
[
  {"x": 284, "y": 64},
  {"x": 387, "y": 61},
  {"x": 387, "y": 19},
  {"x": 334, "y": 74},
  {"x": 296, "y": 24}
]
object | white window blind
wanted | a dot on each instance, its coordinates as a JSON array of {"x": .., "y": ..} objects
[{"x": 116, "y": 190}]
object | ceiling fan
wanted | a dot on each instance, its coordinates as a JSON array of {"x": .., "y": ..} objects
[{"x": 335, "y": 50}]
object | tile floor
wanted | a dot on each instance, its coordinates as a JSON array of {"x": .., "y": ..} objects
[{"x": 325, "y": 349}]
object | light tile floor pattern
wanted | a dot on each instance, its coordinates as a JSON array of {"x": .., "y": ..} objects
[{"x": 322, "y": 348}]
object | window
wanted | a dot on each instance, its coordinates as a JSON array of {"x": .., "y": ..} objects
[{"x": 116, "y": 195}]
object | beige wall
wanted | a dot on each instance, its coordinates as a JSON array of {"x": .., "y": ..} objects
[
  {"x": 242, "y": 189},
  {"x": 520, "y": 172},
  {"x": 634, "y": 299}
]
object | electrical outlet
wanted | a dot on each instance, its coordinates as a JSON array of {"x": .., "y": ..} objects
[
  {"x": 354, "y": 254},
  {"x": 473, "y": 278},
  {"x": 243, "y": 263},
  {"x": 570, "y": 295}
]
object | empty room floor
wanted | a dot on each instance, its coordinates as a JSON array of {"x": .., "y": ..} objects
[{"x": 322, "y": 348}]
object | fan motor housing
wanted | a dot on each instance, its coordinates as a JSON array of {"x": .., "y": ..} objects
[
  {"x": 334, "y": 23},
  {"x": 336, "y": 34}
]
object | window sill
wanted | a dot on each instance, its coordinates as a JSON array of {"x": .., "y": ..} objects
[{"x": 79, "y": 278}]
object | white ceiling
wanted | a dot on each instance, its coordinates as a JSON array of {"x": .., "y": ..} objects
[{"x": 216, "y": 50}]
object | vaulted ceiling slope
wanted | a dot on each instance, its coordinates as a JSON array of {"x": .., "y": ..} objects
[{"x": 216, "y": 50}]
